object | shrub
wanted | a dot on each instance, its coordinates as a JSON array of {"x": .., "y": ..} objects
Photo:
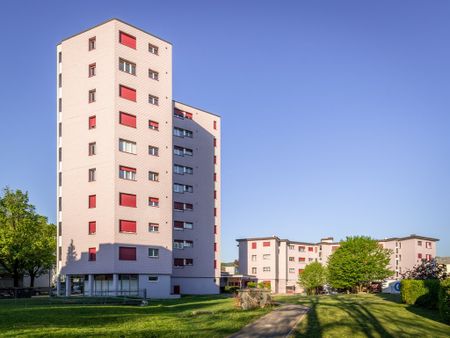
[
  {"x": 251, "y": 285},
  {"x": 231, "y": 289},
  {"x": 444, "y": 300},
  {"x": 420, "y": 292}
]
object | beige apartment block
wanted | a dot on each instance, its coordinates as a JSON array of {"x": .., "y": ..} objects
[
  {"x": 138, "y": 181},
  {"x": 280, "y": 261}
]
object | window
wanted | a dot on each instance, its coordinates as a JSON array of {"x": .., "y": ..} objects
[
  {"x": 59, "y": 154},
  {"x": 266, "y": 243},
  {"x": 180, "y": 132},
  {"x": 419, "y": 243},
  {"x": 152, "y": 49},
  {"x": 215, "y": 124},
  {"x": 153, "y": 227},
  {"x": 92, "y": 148},
  {"x": 253, "y": 258},
  {"x": 60, "y": 105},
  {"x": 428, "y": 257},
  {"x": 180, "y": 151},
  {"x": 127, "y": 226},
  {"x": 179, "y": 262},
  {"x": 182, "y": 206},
  {"x": 428, "y": 245},
  {"x": 91, "y": 69},
  {"x": 300, "y": 271},
  {"x": 59, "y": 203},
  {"x": 127, "y": 40},
  {"x": 92, "y": 228},
  {"x": 310, "y": 259},
  {"x": 60, "y": 179},
  {"x": 153, "y": 176},
  {"x": 291, "y": 259},
  {"x": 215, "y": 194},
  {"x": 215, "y": 159},
  {"x": 254, "y": 270},
  {"x": 92, "y": 96},
  {"x": 92, "y": 254},
  {"x": 266, "y": 257},
  {"x": 92, "y": 174},
  {"x": 127, "y": 253},
  {"x": 178, "y": 113},
  {"x": 153, "y": 279},
  {"x": 215, "y": 142},
  {"x": 127, "y": 120},
  {"x": 153, "y": 253},
  {"x": 301, "y": 259},
  {"x": 59, "y": 129},
  {"x": 182, "y": 188},
  {"x": 59, "y": 228},
  {"x": 215, "y": 229},
  {"x": 215, "y": 179},
  {"x": 153, "y": 74},
  {"x": 181, "y": 244},
  {"x": 153, "y": 202},
  {"x": 127, "y": 173},
  {"x": 291, "y": 247},
  {"x": 153, "y": 100},
  {"x": 291, "y": 270},
  {"x": 254, "y": 245},
  {"x": 188, "y": 261},
  {"x": 419, "y": 256},
  {"x": 127, "y": 93},
  {"x": 92, "y": 43},
  {"x": 127, "y": 66},
  {"x": 310, "y": 249},
  {"x": 153, "y": 125},
  {"x": 60, "y": 57},
  {"x": 92, "y": 122},
  {"x": 301, "y": 249},
  {"x": 180, "y": 169},
  {"x": 92, "y": 201},
  {"x": 127, "y": 200},
  {"x": 127, "y": 146},
  {"x": 154, "y": 151},
  {"x": 59, "y": 80},
  {"x": 180, "y": 225},
  {"x": 266, "y": 269}
]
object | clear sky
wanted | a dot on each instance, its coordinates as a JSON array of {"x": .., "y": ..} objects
[{"x": 335, "y": 114}]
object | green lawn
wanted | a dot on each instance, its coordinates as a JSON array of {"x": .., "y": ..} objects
[
  {"x": 39, "y": 317},
  {"x": 366, "y": 316}
]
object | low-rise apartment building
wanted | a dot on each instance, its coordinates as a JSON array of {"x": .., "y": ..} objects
[{"x": 279, "y": 261}]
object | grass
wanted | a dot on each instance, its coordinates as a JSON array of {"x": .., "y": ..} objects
[
  {"x": 76, "y": 317},
  {"x": 365, "y": 316}
]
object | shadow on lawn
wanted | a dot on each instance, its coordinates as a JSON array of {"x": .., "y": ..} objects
[{"x": 364, "y": 320}]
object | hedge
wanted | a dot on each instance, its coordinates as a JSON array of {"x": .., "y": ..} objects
[
  {"x": 444, "y": 300},
  {"x": 420, "y": 292}
]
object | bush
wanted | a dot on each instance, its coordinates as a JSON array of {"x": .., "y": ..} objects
[
  {"x": 420, "y": 292},
  {"x": 444, "y": 300},
  {"x": 231, "y": 289},
  {"x": 251, "y": 285}
]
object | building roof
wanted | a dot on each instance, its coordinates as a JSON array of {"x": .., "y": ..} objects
[
  {"x": 188, "y": 105},
  {"x": 412, "y": 236},
  {"x": 114, "y": 19}
]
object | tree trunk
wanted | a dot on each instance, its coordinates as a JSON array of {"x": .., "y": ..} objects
[
  {"x": 16, "y": 278},
  {"x": 32, "y": 277}
]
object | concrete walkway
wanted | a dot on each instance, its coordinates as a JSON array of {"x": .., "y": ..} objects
[{"x": 278, "y": 323}]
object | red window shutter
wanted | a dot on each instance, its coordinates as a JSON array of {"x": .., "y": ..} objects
[
  {"x": 215, "y": 177},
  {"x": 215, "y": 159},
  {"x": 92, "y": 227},
  {"x": 92, "y": 254},
  {"x": 188, "y": 115},
  {"x": 127, "y": 120},
  {"x": 153, "y": 124},
  {"x": 178, "y": 262},
  {"x": 215, "y": 142},
  {"x": 92, "y": 201},
  {"x": 215, "y": 125},
  {"x": 215, "y": 264},
  {"x": 254, "y": 245},
  {"x": 301, "y": 259},
  {"x": 310, "y": 248},
  {"x": 127, "y": 93},
  {"x": 127, "y": 226},
  {"x": 127, "y": 253},
  {"x": 178, "y": 205},
  {"x": 178, "y": 224},
  {"x": 127, "y": 200},
  {"x": 215, "y": 211},
  {"x": 215, "y": 194},
  {"x": 92, "y": 122},
  {"x": 419, "y": 256},
  {"x": 127, "y": 169},
  {"x": 127, "y": 40},
  {"x": 154, "y": 200},
  {"x": 215, "y": 246},
  {"x": 188, "y": 206},
  {"x": 266, "y": 243}
]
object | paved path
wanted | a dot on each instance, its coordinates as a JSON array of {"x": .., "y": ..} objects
[{"x": 278, "y": 323}]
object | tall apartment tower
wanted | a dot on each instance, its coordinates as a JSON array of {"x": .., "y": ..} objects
[{"x": 138, "y": 182}]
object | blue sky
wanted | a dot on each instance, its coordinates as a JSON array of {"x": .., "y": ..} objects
[{"x": 335, "y": 114}]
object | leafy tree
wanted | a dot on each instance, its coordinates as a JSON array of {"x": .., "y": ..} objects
[
  {"x": 313, "y": 277},
  {"x": 358, "y": 261},
  {"x": 24, "y": 236},
  {"x": 427, "y": 270}
]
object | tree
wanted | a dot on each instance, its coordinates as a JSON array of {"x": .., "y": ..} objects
[
  {"x": 427, "y": 270},
  {"x": 313, "y": 277},
  {"x": 358, "y": 261},
  {"x": 40, "y": 256},
  {"x": 24, "y": 236}
]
